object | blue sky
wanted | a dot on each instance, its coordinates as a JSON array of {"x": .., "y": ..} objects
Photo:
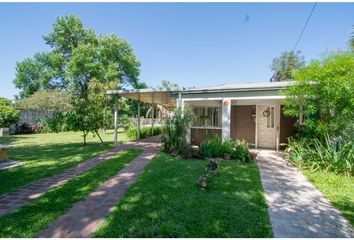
[{"x": 192, "y": 44}]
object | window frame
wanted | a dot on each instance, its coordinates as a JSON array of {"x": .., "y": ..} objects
[{"x": 209, "y": 112}]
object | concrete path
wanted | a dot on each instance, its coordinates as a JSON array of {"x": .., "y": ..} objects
[
  {"x": 296, "y": 207},
  {"x": 85, "y": 216},
  {"x": 16, "y": 199}
]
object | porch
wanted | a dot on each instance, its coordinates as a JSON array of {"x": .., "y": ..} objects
[{"x": 261, "y": 122}]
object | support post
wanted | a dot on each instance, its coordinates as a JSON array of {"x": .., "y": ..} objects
[
  {"x": 179, "y": 100},
  {"x": 226, "y": 118},
  {"x": 152, "y": 115},
  {"x": 115, "y": 120},
  {"x": 139, "y": 117}
]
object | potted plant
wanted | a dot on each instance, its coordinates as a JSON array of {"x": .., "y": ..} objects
[
  {"x": 174, "y": 153},
  {"x": 227, "y": 149}
]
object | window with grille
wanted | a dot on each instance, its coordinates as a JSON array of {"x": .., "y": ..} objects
[{"x": 207, "y": 116}]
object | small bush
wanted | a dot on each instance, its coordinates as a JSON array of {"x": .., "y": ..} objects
[
  {"x": 212, "y": 147},
  {"x": 240, "y": 151}
]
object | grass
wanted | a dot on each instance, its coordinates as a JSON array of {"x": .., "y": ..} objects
[
  {"x": 47, "y": 154},
  {"x": 28, "y": 220},
  {"x": 165, "y": 202},
  {"x": 339, "y": 189}
]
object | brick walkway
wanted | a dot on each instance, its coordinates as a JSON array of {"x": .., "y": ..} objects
[
  {"x": 296, "y": 207},
  {"x": 16, "y": 199},
  {"x": 85, "y": 216}
]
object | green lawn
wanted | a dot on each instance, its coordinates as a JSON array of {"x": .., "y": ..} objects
[
  {"x": 338, "y": 189},
  {"x": 48, "y": 154},
  {"x": 165, "y": 202},
  {"x": 28, "y": 220}
]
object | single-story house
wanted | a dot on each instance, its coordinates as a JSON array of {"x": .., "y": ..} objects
[{"x": 250, "y": 111}]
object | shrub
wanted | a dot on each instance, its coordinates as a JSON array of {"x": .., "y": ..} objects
[
  {"x": 216, "y": 147},
  {"x": 175, "y": 131},
  {"x": 145, "y": 132},
  {"x": 27, "y": 128},
  {"x": 228, "y": 146},
  {"x": 8, "y": 115},
  {"x": 330, "y": 154},
  {"x": 240, "y": 151},
  {"x": 323, "y": 92},
  {"x": 204, "y": 149}
]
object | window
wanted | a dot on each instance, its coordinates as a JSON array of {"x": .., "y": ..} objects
[
  {"x": 270, "y": 117},
  {"x": 207, "y": 116}
]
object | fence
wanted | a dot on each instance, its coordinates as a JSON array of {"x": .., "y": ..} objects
[{"x": 146, "y": 121}]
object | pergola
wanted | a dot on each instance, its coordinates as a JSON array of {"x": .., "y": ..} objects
[{"x": 150, "y": 95}]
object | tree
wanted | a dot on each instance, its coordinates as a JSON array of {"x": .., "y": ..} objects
[
  {"x": 284, "y": 66},
  {"x": 79, "y": 62},
  {"x": 5, "y": 101},
  {"x": 46, "y": 100},
  {"x": 324, "y": 93},
  {"x": 166, "y": 84},
  {"x": 49, "y": 70},
  {"x": 8, "y": 114}
]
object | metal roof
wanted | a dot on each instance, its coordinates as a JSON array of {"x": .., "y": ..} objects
[
  {"x": 241, "y": 87},
  {"x": 147, "y": 95}
]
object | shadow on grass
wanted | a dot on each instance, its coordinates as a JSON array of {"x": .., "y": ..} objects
[
  {"x": 165, "y": 202},
  {"x": 29, "y": 219},
  {"x": 44, "y": 160},
  {"x": 12, "y": 139}
]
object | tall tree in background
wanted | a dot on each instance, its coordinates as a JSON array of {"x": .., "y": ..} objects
[
  {"x": 284, "y": 66},
  {"x": 166, "y": 84},
  {"x": 46, "y": 100},
  {"x": 82, "y": 64}
]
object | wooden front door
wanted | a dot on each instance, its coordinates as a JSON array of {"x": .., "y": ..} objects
[{"x": 266, "y": 126}]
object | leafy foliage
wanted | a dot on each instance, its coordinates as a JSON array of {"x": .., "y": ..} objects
[
  {"x": 5, "y": 102},
  {"x": 325, "y": 91},
  {"x": 212, "y": 147},
  {"x": 166, "y": 84},
  {"x": 215, "y": 148},
  {"x": 335, "y": 155},
  {"x": 83, "y": 65},
  {"x": 175, "y": 131},
  {"x": 8, "y": 114},
  {"x": 46, "y": 100},
  {"x": 284, "y": 66},
  {"x": 240, "y": 151}
]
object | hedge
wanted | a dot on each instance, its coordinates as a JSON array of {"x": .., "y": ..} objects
[{"x": 145, "y": 132}]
